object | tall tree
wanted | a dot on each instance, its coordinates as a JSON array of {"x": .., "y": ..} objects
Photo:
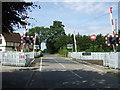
[
  {"x": 12, "y": 13},
  {"x": 56, "y": 32},
  {"x": 42, "y": 33}
]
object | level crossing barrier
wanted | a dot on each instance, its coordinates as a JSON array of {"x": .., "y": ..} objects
[
  {"x": 16, "y": 58},
  {"x": 110, "y": 59}
]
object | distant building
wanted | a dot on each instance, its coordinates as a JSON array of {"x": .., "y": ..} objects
[{"x": 10, "y": 41}]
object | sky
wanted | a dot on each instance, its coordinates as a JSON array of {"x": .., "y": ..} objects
[{"x": 85, "y": 18}]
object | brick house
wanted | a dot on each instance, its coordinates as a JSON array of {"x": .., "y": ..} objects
[{"x": 10, "y": 41}]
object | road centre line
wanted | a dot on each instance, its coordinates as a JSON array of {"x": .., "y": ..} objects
[
  {"x": 41, "y": 64},
  {"x": 60, "y": 64},
  {"x": 70, "y": 70}
]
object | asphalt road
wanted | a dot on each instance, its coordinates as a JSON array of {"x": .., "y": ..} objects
[{"x": 52, "y": 71}]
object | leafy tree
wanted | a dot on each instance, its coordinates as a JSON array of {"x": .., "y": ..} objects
[
  {"x": 54, "y": 36},
  {"x": 12, "y": 13},
  {"x": 42, "y": 33},
  {"x": 56, "y": 32}
]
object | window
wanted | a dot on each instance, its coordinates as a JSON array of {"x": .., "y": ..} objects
[{"x": 0, "y": 41}]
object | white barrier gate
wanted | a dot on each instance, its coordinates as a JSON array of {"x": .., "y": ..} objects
[
  {"x": 17, "y": 58},
  {"x": 110, "y": 59}
]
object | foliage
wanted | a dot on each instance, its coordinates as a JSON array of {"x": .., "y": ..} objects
[
  {"x": 54, "y": 36},
  {"x": 56, "y": 39},
  {"x": 12, "y": 13},
  {"x": 42, "y": 33},
  {"x": 84, "y": 44},
  {"x": 63, "y": 51}
]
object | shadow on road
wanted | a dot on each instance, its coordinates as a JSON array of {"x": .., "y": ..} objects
[{"x": 58, "y": 79}]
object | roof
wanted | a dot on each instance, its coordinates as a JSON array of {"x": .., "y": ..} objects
[{"x": 12, "y": 37}]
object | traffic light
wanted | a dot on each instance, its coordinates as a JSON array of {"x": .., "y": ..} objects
[{"x": 110, "y": 40}]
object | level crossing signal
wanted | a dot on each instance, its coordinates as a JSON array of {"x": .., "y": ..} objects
[
  {"x": 27, "y": 40},
  {"x": 112, "y": 40}
]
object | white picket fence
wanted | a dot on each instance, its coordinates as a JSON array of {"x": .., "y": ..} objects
[
  {"x": 17, "y": 58},
  {"x": 110, "y": 59}
]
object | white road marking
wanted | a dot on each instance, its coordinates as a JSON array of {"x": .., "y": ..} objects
[
  {"x": 41, "y": 64},
  {"x": 94, "y": 68},
  {"x": 60, "y": 64},
  {"x": 32, "y": 61},
  {"x": 88, "y": 66},
  {"x": 76, "y": 74}
]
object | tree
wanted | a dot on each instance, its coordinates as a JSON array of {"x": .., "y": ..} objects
[
  {"x": 42, "y": 33},
  {"x": 56, "y": 32},
  {"x": 12, "y": 13}
]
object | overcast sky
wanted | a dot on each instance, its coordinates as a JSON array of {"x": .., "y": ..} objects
[{"x": 83, "y": 17}]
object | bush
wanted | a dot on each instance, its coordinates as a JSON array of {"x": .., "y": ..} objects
[{"x": 63, "y": 52}]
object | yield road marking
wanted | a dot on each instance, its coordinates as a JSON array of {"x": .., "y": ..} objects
[{"x": 40, "y": 63}]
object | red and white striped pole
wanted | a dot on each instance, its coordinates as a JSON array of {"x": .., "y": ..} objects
[
  {"x": 22, "y": 46},
  {"x": 25, "y": 24},
  {"x": 112, "y": 21}
]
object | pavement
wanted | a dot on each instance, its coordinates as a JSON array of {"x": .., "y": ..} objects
[{"x": 52, "y": 71}]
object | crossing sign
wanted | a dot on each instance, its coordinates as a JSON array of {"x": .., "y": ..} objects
[{"x": 27, "y": 40}]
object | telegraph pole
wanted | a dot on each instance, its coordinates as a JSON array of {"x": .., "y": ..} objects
[{"x": 75, "y": 42}]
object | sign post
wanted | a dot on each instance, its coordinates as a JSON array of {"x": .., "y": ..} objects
[
  {"x": 93, "y": 38},
  {"x": 70, "y": 46}
]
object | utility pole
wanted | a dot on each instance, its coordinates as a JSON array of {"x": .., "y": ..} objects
[
  {"x": 34, "y": 45},
  {"x": 75, "y": 42}
]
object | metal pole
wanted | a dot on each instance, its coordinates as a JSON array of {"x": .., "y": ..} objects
[
  {"x": 34, "y": 45},
  {"x": 116, "y": 26},
  {"x": 75, "y": 42}
]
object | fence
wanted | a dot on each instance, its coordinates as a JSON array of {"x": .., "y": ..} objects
[
  {"x": 110, "y": 59},
  {"x": 17, "y": 58}
]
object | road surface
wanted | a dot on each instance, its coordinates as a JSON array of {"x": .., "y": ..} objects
[{"x": 52, "y": 71}]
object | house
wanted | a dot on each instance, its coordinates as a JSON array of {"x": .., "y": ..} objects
[{"x": 10, "y": 41}]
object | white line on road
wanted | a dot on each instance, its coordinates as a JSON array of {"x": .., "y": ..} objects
[
  {"x": 87, "y": 66},
  {"x": 60, "y": 64},
  {"x": 76, "y": 74},
  {"x": 94, "y": 68},
  {"x": 41, "y": 64},
  {"x": 31, "y": 62}
]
